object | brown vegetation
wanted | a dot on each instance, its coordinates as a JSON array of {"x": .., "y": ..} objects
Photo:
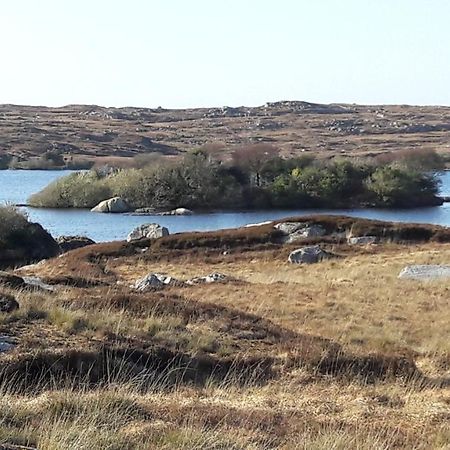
[
  {"x": 337, "y": 355},
  {"x": 294, "y": 128}
]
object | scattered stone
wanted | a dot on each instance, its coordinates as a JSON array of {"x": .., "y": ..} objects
[
  {"x": 144, "y": 212},
  {"x": 214, "y": 277},
  {"x": 10, "y": 280},
  {"x": 153, "y": 212},
  {"x": 295, "y": 231},
  {"x": 112, "y": 205},
  {"x": 154, "y": 281},
  {"x": 362, "y": 240},
  {"x": 425, "y": 272},
  {"x": 309, "y": 255},
  {"x": 67, "y": 243},
  {"x": 149, "y": 231},
  {"x": 8, "y": 303}
]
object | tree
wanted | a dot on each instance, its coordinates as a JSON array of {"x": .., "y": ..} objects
[{"x": 253, "y": 158}]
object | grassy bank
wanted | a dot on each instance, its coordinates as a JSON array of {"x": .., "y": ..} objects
[{"x": 254, "y": 178}]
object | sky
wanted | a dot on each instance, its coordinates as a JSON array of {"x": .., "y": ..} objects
[{"x": 204, "y": 53}]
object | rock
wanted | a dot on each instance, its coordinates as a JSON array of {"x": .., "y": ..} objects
[
  {"x": 32, "y": 243},
  {"x": 154, "y": 281},
  {"x": 260, "y": 224},
  {"x": 37, "y": 283},
  {"x": 149, "y": 231},
  {"x": 176, "y": 212},
  {"x": 362, "y": 240},
  {"x": 67, "y": 243},
  {"x": 112, "y": 205},
  {"x": 425, "y": 272},
  {"x": 6, "y": 344},
  {"x": 295, "y": 231},
  {"x": 182, "y": 212},
  {"x": 144, "y": 212},
  {"x": 8, "y": 303},
  {"x": 16, "y": 282},
  {"x": 211, "y": 278},
  {"x": 309, "y": 255},
  {"x": 12, "y": 281}
]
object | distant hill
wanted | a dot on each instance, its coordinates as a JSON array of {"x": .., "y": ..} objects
[{"x": 94, "y": 132}]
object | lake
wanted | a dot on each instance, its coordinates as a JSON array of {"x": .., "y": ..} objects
[{"x": 17, "y": 185}]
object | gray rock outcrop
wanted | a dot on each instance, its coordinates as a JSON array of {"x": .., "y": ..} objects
[
  {"x": 296, "y": 231},
  {"x": 112, "y": 205},
  {"x": 309, "y": 255},
  {"x": 149, "y": 231},
  {"x": 425, "y": 272}
]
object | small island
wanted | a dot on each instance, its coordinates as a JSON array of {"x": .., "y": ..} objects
[{"x": 254, "y": 177}]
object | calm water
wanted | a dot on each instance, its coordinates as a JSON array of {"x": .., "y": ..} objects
[{"x": 17, "y": 186}]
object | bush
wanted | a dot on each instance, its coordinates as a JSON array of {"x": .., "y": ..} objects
[
  {"x": 199, "y": 182},
  {"x": 12, "y": 222},
  {"x": 394, "y": 186},
  {"x": 77, "y": 190}
]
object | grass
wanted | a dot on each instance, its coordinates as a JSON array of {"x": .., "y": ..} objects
[{"x": 263, "y": 346}]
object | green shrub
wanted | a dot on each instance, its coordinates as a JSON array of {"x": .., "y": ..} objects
[
  {"x": 395, "y": 186},
  {"x": 12, "y": 222},
  {"x": 77, "y": 190}
]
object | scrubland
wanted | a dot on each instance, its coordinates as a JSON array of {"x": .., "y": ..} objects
[{"x": 337, "y": 355}]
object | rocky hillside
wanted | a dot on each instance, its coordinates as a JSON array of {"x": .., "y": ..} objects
[{"x": 98, "y": 132}]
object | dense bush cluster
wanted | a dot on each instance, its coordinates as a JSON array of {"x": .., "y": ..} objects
[{"x": 255, "y": 178}]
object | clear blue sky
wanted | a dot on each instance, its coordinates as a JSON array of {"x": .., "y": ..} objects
[{"x": 181, "y": 53}]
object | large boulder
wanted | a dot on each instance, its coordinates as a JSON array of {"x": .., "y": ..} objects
[
  {"x": 309, "y": 255},
  {"x": 67, "y": 243},
  {"x": 425, "y": 272},
  {"x": 112, "y": 205},
  {"x": 296, "y": 231},
  {"x": 149, "y": 231},
  {"x": 8, "y": 303}
]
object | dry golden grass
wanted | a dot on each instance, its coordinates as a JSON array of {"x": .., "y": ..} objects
[{"x": 356, "y": 301}]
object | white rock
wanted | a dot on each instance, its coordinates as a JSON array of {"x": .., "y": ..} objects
[
  {"x": 425, "y": 272},
  {"x": 249, "y": 225},
  {"x": 149, "y": 231},
  {"x": 153, "y": 280},
  {"x": 112, "y": 205}
]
